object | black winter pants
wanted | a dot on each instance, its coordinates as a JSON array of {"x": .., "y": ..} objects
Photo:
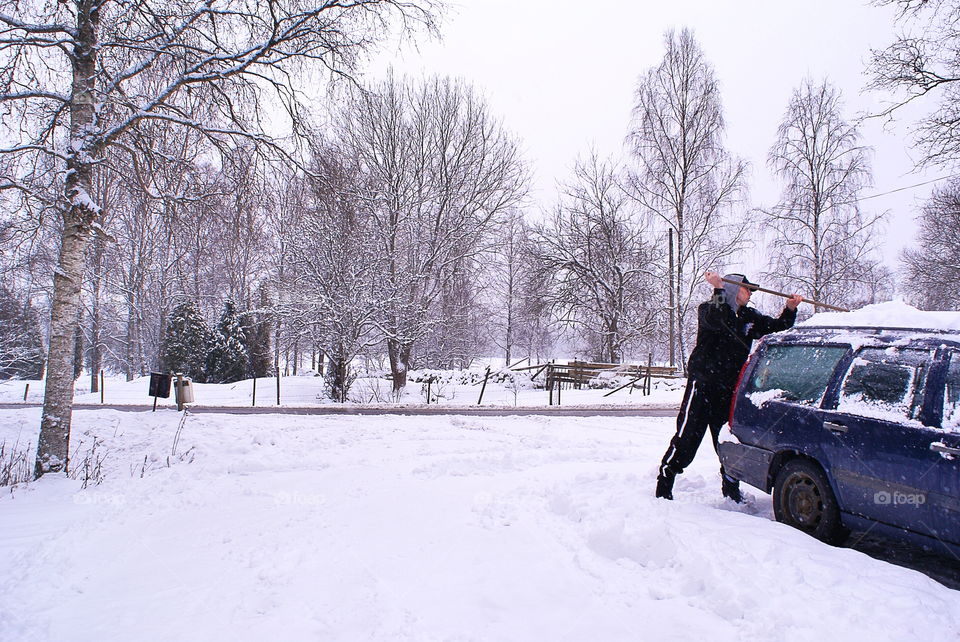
[{"x": 704, "y": 406}]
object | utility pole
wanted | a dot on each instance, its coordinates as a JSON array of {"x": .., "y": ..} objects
[{"x": 673, "y": 354}]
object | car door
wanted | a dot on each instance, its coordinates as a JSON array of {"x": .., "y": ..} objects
[
  {"x": 877, "y": 448},
  {"x": 946, "y": 502}
]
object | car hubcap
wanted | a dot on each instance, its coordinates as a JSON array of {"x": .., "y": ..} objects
[{"x": 804, "y": 503}]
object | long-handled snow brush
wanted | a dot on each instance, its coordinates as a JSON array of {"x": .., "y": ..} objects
[{"x": 750, "y": 286}]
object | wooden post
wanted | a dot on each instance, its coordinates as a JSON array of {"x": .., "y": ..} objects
[
  {"x": 254, "y": 404},
  {"x": 429, "y": 386},
  {"x": 648, "y": 384},
  {"x": 518, "y": 363},
  {"x": 101, "y": 385},
  {"x": 26, "y": 390},
  {"x": 535, "y": 374},
  {"x": 179, "y": 394},
  {"x": 484, "y": 386},
  {"x": 629, "y": 383},
  {"x": 550, "y": 381},
  {"x": 278, "y": 385}
]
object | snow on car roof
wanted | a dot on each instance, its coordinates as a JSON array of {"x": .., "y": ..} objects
[{"x": 891, "y": 314}]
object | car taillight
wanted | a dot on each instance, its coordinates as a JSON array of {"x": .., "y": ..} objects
[{"x": 736, "y": 389}]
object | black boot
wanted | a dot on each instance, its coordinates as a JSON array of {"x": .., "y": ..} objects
[
  {"x": 731, "y": 488},
  {"x": 665, "y": 486}
]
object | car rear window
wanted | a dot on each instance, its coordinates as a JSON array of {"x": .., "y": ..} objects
[
  {"x": 885, "y": 383},
  {"x": 951, "y": 398},
  {"x": 796, "y": 373}
]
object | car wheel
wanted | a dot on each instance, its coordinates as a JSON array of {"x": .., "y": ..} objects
[{"x": 802, "y": 498}]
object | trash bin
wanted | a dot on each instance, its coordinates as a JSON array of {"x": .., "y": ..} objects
[{"x": 184, "y": 391}]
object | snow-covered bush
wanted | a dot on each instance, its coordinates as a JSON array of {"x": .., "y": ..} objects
[
  {"x": 435, "y": 390},
  {"x": 372, "y": 390},
  {"x": 16, "y": 465},
  {"x": 518, "y": 382},
  {"x": 460, "y": 377}
]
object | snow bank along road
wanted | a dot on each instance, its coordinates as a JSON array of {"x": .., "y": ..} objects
[
  {"x": 413, "y": 409},
  {"x": 332, "y": 527}
]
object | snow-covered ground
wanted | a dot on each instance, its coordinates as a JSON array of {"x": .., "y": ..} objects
[{"x": 420, "y": 528}]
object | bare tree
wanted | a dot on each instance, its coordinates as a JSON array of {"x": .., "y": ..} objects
[
  {"x": 933, "y": 265},
  {"x": 289, "y": 204},
  {"x": 108, "y": 191},
  {"x": 924, "y": 62},
  {"x": 443, "y": 171},
  {"x": 29, "y": 229},
  {"x": 683, "y": 172},
  {"x": 74, "y": 83},
  {"x": 459, "y": 330},
  {"x": 514, "y": 293},
  {"x": 822, "y": 242},
  {"x": 333, "y": 266},
  {"x": 600, "y": 259},
  {"x": 242, "y": 222},
  {"x": 506, "y": 262}
]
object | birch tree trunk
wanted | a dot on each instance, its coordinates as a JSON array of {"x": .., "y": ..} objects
[{"x": 54, "y": 443}]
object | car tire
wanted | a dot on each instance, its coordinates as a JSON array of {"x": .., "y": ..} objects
[{"x": 802, "y": 498}]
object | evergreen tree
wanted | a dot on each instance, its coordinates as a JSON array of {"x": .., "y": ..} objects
[
  {"x": 227, "y": 358},
  {"x": 261, "y": 357},
  {"x": 256, "y": 332},
  {"x": 21, "y": 343},
  {"x": 186, "y": 342}
]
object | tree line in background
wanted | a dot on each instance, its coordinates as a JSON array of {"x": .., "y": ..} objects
[
  {"x": 404, "y": 235},
  {"x": 394, "y": 224},
  {"x": 923, "y": 64}
]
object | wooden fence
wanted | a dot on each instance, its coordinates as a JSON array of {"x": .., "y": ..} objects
[{"x": 578, "y": 373}]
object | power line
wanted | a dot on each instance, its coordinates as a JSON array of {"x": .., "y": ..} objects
[
  {"x": 899, "y": 189},
  {"x": 893, "y": 191}
]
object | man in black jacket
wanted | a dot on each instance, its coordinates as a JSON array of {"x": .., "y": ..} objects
[{"x": 725, "y": 332}]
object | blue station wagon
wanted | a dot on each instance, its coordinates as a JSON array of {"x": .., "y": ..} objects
[{"x": 853, "y": 428}]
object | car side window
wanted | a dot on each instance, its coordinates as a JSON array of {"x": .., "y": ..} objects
[
  {"x": 885, "y": 383},
  {"x": 951, "y": 397},
  {"x": 795, "y": 373}
]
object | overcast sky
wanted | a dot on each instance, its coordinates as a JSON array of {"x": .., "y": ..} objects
[{"x": 561, "y": 74}]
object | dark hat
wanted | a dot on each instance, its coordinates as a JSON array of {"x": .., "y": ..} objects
[{"x": 742, "y": 279}]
